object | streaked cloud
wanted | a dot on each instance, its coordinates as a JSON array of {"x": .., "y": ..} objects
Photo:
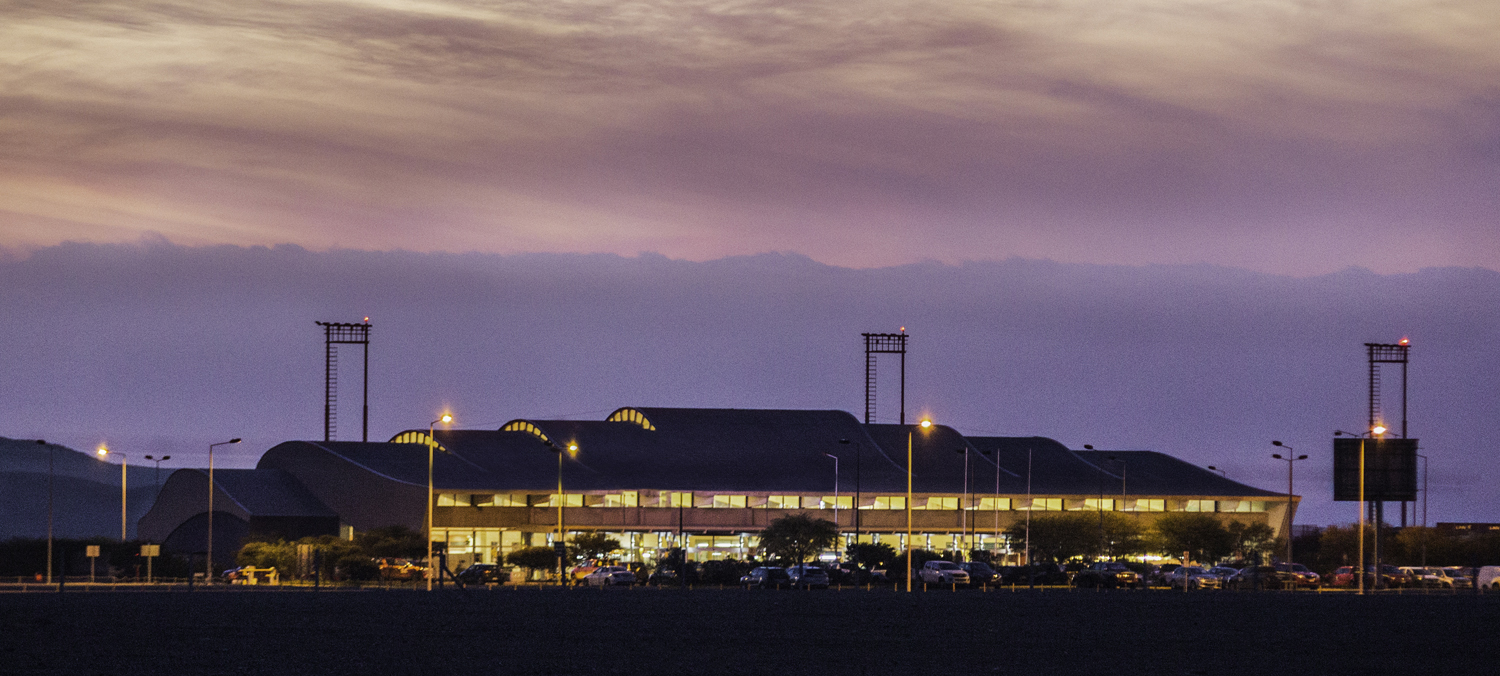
[{"x": 1291, "y": 136}]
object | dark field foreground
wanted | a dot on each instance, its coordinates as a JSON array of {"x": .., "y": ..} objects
[{"x": 665, "y": 632}]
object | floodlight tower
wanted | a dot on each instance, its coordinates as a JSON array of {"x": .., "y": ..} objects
[
  {"x": 1381, "y": 353},
  {"x": 883, "y": 343},
  {"x": 335, "y": 334}
]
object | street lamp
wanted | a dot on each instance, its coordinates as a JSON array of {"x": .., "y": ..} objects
[
  {"x": 431, "y": 447},
  {"x": 560, "y": 546},
  {"x": 209, "y": 573},
  {"x": 50, "y": 453},
  {"x": 857, "y": 496},
  {"x": 987, "y": 453},
  {"x": 963, "y": 514},
  {"x": 104, "y": 451},
  {"x": 835, "y": 489},
  {"x": 1088, "y": 447},
  {"x": 1289, "y": 462},
  {"x": 1377, "y": 431},
  {"x": 925, "y": 425},
  {"x": 158, "y": 462}
]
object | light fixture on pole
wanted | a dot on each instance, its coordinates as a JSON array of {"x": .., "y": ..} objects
[
  {"x": 1220, "y": 471},
  {"x": 560, "y": 545},
  {"x": 158, "y": 462},
  {"x": 963, "y": 514},
  {"x": 43, "y": 442},
  {"x": 857, "y": 497},
  {"x": 209, "y": 554},
  {"x": 431, "y": 448},
  {"x": 925, "y": 425},
  {"x": 1290, "y": 459},
  {"x": 1377, "y": 431},
  {"x": 835, "y": 489},
  {"x": 103, "y": 452},
  {"x": 1100, "y": 505}
]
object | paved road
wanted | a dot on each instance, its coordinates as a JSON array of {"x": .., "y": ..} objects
[{"x": 666, "y": 632}]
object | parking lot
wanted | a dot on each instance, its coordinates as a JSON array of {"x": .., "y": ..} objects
[{"x": 733, "y": 631}]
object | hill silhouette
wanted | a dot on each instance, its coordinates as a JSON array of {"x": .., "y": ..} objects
[{"x": 86, "y": 492}]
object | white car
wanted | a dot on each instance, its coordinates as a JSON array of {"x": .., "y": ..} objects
[
  {"x": 1489, "y": 578},
  {"x": 1194, "y": 576},
  {"x": 1425, "y": 577},
  {"x": 942, "y": 572},
  {"x": 609, "y": 576}
]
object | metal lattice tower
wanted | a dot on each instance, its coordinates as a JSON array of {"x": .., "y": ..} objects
[
  {"x": 335, "y": 334},
  {"x": 883, "y": 343},
  {"x": 1381, "y": 353}
]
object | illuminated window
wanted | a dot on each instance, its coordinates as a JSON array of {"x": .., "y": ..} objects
[
  {"x": 1144, "y": 505},
  {"x": 842, "y": 502},
  {"x": 414, "y": 438},
  {"x": 937, "y": 503},
  {"x": 1092, "y": 504},
  {"x": 784, "y": 502},
  {"x": 569, "y": 500},
  {"x": 631, "y": 415},
  {"x": 523, "y": 426},
  {"x": 625, "y": 499},
  {"x": 729, "y": 501},
  {"x": 453, "y": 499},
  {"x": 677, "y": 500},
  {"x": 510, "y": 500},
  {"x": 483, "y": 500},
  {"x": 1044, "y": 505},
  {"x": 1242, "y": 506},
  {"x": 1199, "y": 506},
  {"x": 993, "y": 504},
  {"x": 890, "y": 502}
]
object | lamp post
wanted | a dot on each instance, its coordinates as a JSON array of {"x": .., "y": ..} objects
[
  {"x": 963, "y": 514},
  {"x": 835, "y": 489},
  {"x": 988, "y": 453},
  {"x": 50, "y": 453},
  {"x": 925, "y": 425},
  {"x": 1424, "y": 508},
  {"x": 1290, "y": 460},
  {"x": 431, "y": 449},
  {"x": 1088, "y": 447},
  {"x": 560, "y": 545},
  {"x": 209, "y": 573},
  {"x": 1376, "y": 430},
  {"x": 857, "y": 497},
  {"x": 103, "y": 452},
  {"x": 158, "y": 462}
]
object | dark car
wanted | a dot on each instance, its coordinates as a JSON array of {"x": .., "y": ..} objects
[
  {"x": 1302, "y": 577},
  {"x": 807, "y": 576},
  {"x": 1040, "y": 574},
  {"x": 767, "y": 577},
  {"x": 1107, "y": 575},
  {"x": 980, "y": 573},
  {"x": 483, "y": 573},
  {"x": 1261, "y": 577}
]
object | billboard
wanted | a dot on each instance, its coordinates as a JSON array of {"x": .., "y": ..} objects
[{"x": 1390, "y": 469}]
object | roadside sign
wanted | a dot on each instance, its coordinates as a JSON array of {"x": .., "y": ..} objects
[
  {"x": 93, "y": 550},
  {"x": 560, "y": 548},
  {"x": 150, "y": 550}
]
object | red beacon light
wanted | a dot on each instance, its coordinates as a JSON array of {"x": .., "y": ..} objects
[{"x": 1405, "y": 342}]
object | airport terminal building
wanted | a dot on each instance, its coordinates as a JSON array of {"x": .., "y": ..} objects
[{"x": 704, "y": 479}]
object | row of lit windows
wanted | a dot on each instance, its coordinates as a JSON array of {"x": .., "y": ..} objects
[
  {"x": 631, "y": 415},
  {"x": 883, "y": 502}
]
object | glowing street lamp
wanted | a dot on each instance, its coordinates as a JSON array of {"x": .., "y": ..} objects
[
  {"x": 559, "y": 545},
  {"x": 104, "y": 451},
  {"x": 209, "y": 571},
  {"x": 924, "y": 425},
  {"x": 431, "y": 446},
  {"x": 1289, "y": 461},
  {"x": 1377, "y": 430}
]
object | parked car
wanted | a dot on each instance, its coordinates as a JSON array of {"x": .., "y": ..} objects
[
  {"x": 942, "y": 572},
  {"x": 1107, "y": 575},
  {"x": 1159, "y": 576},
  {"x": 400, "y": 569},
  {"x": 483, "y": 573},
  {"x": 980, "y": 573},
  {"x": 1042, "y": 574},
  {"x": 807, "y": 576},
  {"x": 1489, "y": 578},
  {"x": 1223, "y": 573},
  {"x": 766, "y": 577},
  {"x": 1424, "y": 577},
  {"x": 1194, "y": 577},
  {"x": 1261, "y": 577},
  {"x": 610, "y": 576},
  {"x": 1302, "y": 577},
  {"x": 1457, "y": 577}
]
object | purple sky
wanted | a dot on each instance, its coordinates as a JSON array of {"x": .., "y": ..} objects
[
  {"x": 1152, "y": 225},
  {"x": 159, "y": 348},
  {"x": 1290, "y": 137}
]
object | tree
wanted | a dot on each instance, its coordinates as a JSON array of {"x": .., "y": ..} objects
[
  {"x": 1202, "y": 535},
  {"x": 870, "y": 555},
  {"x": 398, "y": 542},
  {"x": 533, "y": 558},
  {"x": 1250, "y": 539},
  {"x": 594, "y": 545},
  {"x": 1060, "y": 536},
  {"x": 798, "y": 537}
]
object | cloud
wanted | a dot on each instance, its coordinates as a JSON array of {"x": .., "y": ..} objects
[{"x": 1293, "y": 137}]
